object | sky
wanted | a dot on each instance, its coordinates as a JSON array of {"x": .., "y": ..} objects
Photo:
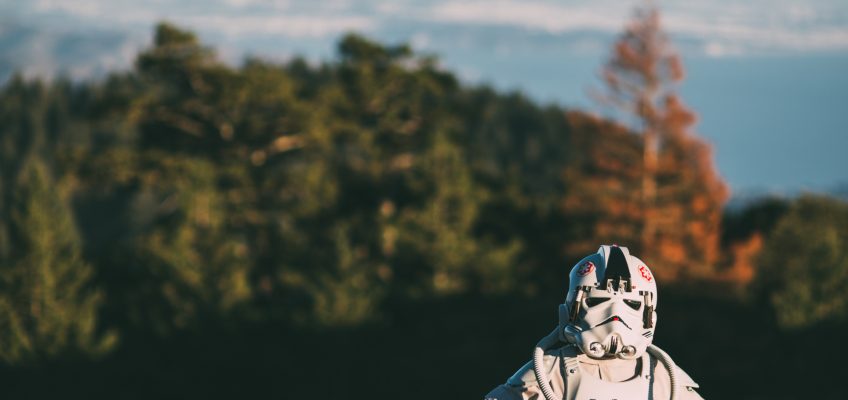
[{"x": 766, "y": 77}]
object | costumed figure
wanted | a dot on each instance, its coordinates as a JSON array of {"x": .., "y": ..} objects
[{"x": 601, "y": 349}]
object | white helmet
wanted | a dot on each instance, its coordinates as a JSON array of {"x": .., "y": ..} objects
[{"x": 610, "y": 309}]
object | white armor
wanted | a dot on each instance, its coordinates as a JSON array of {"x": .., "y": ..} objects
[
  {"x": 602, "y": 347},
  {"x": 588, "y": 386}
]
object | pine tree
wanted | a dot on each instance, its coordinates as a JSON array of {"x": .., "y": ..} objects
[
  {"x": 179, "y": 262},
  {"x": 47, "y": 303},
  {"x": 189, "y": 97},
  {"x": 437, "y": 249},
  {"x": 182, "y": 257},
  {"x": 803, "y": 267}
]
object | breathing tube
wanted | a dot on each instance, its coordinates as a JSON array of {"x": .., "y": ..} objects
[{"x": 554, "y": 337}]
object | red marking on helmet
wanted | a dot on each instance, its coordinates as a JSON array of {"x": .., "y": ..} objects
[
  {"x": 585, "y": 269},
  {"x": 615, "y": 319},
  {"x": 646, "y": 274}
]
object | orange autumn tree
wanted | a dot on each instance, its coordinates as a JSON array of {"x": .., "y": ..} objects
[{"x": 680, "y": 193}]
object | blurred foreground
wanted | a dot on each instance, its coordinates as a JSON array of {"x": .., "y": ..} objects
[{"x": 454, "y": 348}]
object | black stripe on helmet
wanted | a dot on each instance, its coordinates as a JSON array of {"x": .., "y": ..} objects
[{"x": 616, "y": 265}]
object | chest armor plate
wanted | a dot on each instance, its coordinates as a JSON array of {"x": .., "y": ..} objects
[{"x": 584, "y": 386}]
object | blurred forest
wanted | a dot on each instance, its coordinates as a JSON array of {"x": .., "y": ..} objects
[{"x": 373, "y": 228}]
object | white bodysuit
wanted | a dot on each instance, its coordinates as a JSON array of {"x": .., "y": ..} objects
[{"x": 582, "y": 378}]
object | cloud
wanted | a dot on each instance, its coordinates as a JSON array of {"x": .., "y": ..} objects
[
  {"x": 528, "y": 14},
  {"x": 757, "y": 25},
  {"x": 275, "y": 4},
  {"x": 760, "y": 38},
  {"x": 715, "y": 27},
  {"x": 230, "y": 17},
  {"x": 420, "y": 40},
  {"x": 297, "y": 26},
  {"x": 716, "y": 49}
]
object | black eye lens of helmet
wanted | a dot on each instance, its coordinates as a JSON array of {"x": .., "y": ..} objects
[
  {"x": 633, "y": 304},
  {"x": 593, "y": 301}
]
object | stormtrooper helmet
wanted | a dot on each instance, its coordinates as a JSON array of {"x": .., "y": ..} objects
[{"x": 610, "y": 307}]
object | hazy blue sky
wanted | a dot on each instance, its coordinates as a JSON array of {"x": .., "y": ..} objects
[{"x": 767, "y": 77}]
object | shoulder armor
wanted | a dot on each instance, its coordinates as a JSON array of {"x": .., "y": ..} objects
[
  {"x": 525, "y": 376},
  {"x": 683, "y": 379}
]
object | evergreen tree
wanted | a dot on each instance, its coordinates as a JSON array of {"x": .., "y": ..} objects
[
  {"x": 803, "y": 267},
  {"x": 178, "y": 261},
  {"x": 48, "y": 306},
  {"x": 182, "y": 188},
  {"x": 185, "y": 105},
  {"x": 435, "y": 244}
]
